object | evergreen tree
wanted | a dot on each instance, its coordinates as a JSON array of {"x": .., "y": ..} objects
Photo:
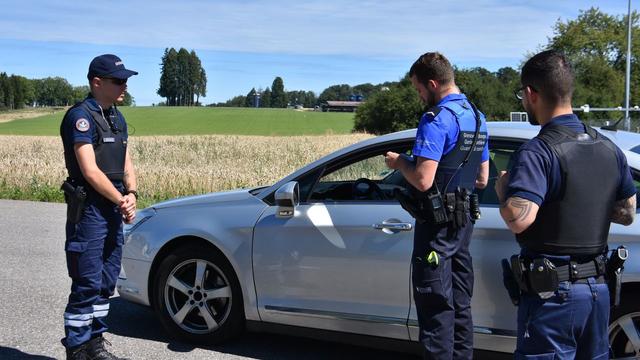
[
  {"x": 278, "y": 96},
  {"x": 265, "y": 98},
  {"x": 183, "y": 79},
  {"x": 169, "y": 77}
]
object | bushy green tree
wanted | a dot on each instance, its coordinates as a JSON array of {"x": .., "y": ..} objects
[
  {"x": 392, "y": 110},
  {"x": 596, "y": 44},
  {"x": 336, "y": 93},
  {"x": 300, "y": 97},
  {"x": 53, "y": 91}
]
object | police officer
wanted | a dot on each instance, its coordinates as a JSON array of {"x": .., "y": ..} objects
[
  {"x": 562, "y": 191},
  {"x": 101, "y": 193},
  {"x": 450, "y": 157}
]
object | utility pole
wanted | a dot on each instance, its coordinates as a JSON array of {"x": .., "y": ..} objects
[{"x": 627, "y": 120}]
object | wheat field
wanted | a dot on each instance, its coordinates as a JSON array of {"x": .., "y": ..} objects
[{"x": 168, "y": 166}]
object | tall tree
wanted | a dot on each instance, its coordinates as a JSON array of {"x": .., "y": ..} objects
[
  {"x": 184, "y": 77},
  {"x": 265, "y": 99},
  {"x": 201, "y": 86},
  {"x": 278, "y": 96},
  {"x": 182, "y": 80},
  {"x": 169, "y": 77}
]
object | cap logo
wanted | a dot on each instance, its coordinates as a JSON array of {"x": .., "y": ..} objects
[
  {"x": 82, "y": 125},
  {"x": 118, "y": 63}
]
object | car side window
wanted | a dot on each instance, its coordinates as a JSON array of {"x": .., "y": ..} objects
[
  {"x": 500, "y": 154},
  {"x": 366, "y": 179}
]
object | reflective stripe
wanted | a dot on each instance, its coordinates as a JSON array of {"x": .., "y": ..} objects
[
  {"x": 100, "y": 307},
  {"x": 77, "y": 323},
  {"x": 98, "y": 314},
  {"x": 70, "y": 316}
]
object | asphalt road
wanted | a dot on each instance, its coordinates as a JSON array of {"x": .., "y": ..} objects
[{"x": 35, "y": 285}]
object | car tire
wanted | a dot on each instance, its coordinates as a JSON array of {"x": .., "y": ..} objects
[
  {"x": 624, "y": 329},
  {"x": 197, "y": 296}
]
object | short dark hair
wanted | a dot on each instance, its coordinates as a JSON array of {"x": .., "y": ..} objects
[
  {"x": 432, "y": 66},
  {"x": 550, "y": 73}
]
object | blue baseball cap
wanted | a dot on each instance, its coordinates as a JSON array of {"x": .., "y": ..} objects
[{"x": 109, "y": 65}]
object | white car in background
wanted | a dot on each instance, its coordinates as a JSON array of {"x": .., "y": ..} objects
[{"x": 327, "y": 250}]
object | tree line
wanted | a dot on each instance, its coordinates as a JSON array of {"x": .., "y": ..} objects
[
  {"x": 17, "y": 92},
  {"x": 276, "y": 96},
  {"x": 183, "y": 79}
]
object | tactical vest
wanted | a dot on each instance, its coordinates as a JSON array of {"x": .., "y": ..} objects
[
  {"x": 577, "y": 222},
  {"x": 110, "y": 148},
  {"x": 448, "y": 177}
]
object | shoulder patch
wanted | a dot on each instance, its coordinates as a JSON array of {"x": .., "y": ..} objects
[
  {"x": 82, "y": 125},
  {"x": 433, "y": 112}
]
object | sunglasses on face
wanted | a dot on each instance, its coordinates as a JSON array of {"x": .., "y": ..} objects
[{"x": 115, "y": 81}]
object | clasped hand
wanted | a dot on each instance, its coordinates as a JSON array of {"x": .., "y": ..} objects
[{"x": 128, "y": 208}]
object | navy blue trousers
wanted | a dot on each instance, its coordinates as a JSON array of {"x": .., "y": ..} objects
[
  {"x": 442, "y": 293},
  {"x": 94, "y": 252},
  {"x": 572, "y": 324}
]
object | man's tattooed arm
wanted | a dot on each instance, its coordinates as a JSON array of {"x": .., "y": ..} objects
[
  {"x": 518, "y": 213},
  {"x": 624, "y": 211}
]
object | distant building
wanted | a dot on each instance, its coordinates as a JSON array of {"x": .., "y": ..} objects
[{"x": 344, "y": 106}]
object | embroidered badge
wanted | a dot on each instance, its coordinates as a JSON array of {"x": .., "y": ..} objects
[{"x": 82, "y": 125}]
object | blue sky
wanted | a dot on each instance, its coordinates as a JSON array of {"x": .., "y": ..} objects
[{"x": 247, "y": 43}]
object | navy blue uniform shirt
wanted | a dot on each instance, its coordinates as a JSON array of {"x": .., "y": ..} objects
[
  {"x": 534, "y": 172},
  {"x": 78, "y": 127},
  {"x": 77, "y": 131},
  {"x": 437, "y": 136}
]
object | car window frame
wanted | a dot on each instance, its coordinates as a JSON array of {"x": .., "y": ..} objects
[
  {"x": 501, "y": 143},
  {"x": 370, "y": 152}
]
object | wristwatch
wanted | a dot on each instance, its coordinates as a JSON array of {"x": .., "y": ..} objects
[{"x": 135, "y": 193}]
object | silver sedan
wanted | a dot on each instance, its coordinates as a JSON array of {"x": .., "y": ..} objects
[{"x": 327, "y": 249}]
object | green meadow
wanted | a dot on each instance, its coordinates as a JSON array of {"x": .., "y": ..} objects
[{"x": 204, "y": 121}]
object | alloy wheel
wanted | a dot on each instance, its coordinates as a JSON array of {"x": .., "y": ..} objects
[
  {"x": 624, "y": 336},
  {"x": 198, "y": 296}
]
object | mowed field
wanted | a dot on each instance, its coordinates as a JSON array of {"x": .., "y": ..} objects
[
  {"x": 171, "y": 164},
  {"x": 146, "y": 120}
]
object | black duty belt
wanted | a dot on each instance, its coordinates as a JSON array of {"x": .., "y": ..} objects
[{"x": 574, "y": 271}]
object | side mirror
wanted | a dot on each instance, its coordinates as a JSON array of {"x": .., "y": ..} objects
[{"x": 287, "y": 198}]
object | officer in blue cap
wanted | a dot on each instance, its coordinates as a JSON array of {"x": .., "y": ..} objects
[
  {"x": 100, "y": 193},
  {"x": 561, "y": 193},
  {"x": 450, "y": 159}
]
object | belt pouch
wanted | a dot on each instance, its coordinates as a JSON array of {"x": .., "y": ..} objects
[{"x": 543, "y": 277}]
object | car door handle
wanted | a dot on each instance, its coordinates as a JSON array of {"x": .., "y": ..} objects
[{"x": 393, "y": 226}]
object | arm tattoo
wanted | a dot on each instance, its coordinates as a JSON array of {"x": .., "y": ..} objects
[
  {"x": 624, "y": 211},
  {"x": 522, "y": 208}
]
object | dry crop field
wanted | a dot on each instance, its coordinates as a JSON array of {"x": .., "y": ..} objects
[{"x": 168, "y": 166}]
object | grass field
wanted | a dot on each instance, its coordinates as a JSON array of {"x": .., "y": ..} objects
[
  {"x": 144, "y": 121},
  {"x": 168, "y": 166}
]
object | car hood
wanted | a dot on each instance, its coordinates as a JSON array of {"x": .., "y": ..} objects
[{"x": 218, "y": 197}]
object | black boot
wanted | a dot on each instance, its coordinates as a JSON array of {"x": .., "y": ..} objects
[
  {"x": 97, "y": 351},
  {"x": 78, "y": 353}
]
